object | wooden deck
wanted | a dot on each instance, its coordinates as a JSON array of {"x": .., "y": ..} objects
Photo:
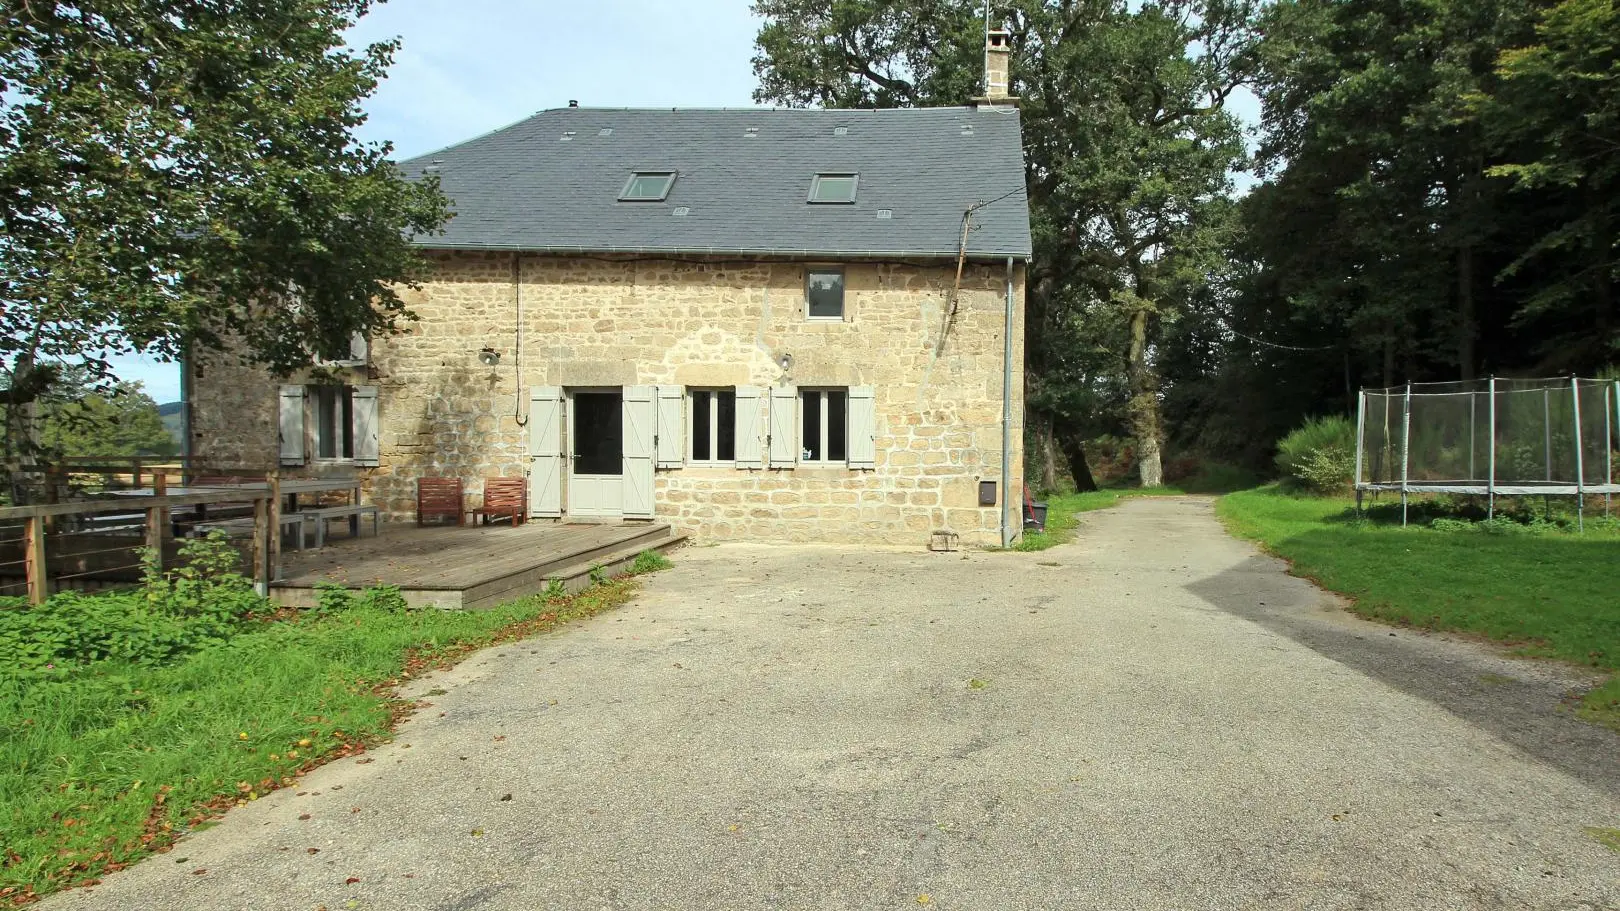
[{"x": 472, "y": 567}]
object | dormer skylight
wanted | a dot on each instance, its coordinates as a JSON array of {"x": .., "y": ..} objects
[
  {"x": 648, "y": 186},
  {"x": 833, "y": 188}
]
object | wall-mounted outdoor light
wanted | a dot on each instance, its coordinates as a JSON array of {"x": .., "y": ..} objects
[{"x": 489, "y": 357}]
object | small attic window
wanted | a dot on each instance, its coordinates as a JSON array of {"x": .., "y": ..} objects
[
  {"x": 648, "y": 186},
  {"x": 833, "y": 188}
]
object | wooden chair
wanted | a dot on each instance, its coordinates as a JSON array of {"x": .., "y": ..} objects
[
  {"x": 504, "y": 498},
  {"x": 439, "y": 498}
]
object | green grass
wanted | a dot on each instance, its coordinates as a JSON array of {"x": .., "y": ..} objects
[
  {"x": 101, "y": 764},
  {"x": 1550, "y": 594}
]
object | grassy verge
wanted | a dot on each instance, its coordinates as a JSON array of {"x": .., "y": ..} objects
[
  {"x": 1550, "y": 594},
  {"x": 104, "y": 763}
]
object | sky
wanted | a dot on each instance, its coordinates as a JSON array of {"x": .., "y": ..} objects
[{"x": 465, "y": 67}]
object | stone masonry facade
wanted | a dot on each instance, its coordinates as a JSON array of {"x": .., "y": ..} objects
[{"x": 617, "y": 321}]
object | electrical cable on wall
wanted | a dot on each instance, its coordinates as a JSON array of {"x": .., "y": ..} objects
[{"x": 517, "y": 341}]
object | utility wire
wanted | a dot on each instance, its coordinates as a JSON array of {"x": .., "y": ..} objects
[
  {"x": 1261, "y": 341},
  {"x": 981, "y": 205}
]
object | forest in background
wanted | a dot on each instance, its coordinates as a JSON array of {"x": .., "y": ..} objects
[{"x": 1432, "y": 196}]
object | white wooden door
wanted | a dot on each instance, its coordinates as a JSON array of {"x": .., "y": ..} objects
[
  {"x": 596, "y": 453},
  {"x": 639, "y": 431},
  {"x": 545, "y": 451}
]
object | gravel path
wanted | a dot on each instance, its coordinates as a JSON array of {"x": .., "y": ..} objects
[{"x": 1154, "y": 717}]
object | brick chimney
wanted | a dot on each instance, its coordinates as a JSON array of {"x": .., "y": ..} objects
[{"x": 997, "y": 69}]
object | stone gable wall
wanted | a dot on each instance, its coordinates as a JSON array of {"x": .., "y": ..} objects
[{"x": 615, "y": 322}]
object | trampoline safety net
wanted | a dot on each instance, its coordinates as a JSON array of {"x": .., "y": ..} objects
[{"x": 1554, "y": 436}]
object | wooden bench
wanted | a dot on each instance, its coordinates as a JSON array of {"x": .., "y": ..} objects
[
  {"x": 504, "y": 498},
  {"x": 440, "y": 498},
  {"x": 324, "y": 514},
  {"x": 296, "y": 521}
]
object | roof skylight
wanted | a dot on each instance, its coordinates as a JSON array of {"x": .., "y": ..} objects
[
  {"x": 833, "y": 188},
  {"x": 648, "y": 186}
]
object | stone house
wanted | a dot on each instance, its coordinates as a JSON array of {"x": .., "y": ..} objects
[{"x": 775, "y": 325}]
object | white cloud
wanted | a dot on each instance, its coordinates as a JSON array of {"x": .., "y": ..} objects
[{"x": 469, "y": 66}]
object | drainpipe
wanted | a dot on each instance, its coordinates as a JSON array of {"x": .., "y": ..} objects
[{"x": 1006, "y": 411}]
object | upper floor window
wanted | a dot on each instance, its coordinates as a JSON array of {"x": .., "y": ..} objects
[
  {"x": 648, "y": 186},
  {"x": 824, "y": 294},
  {"x": 834, "y": 188}
]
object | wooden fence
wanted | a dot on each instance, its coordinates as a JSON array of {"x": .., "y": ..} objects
[{"x": 82, "y": 540}]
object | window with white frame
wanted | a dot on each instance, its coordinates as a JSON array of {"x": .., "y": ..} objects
[
  {"x": 824, "y": 293},
  {"x": 824, "y": 425},
  {"x": 714, "y": 425},
  {"x": 334, "y": 421}
]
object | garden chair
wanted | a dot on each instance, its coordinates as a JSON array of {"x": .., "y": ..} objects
[
  {"x": 439, "y": 498},
  {"x": 504, "y": 498}
]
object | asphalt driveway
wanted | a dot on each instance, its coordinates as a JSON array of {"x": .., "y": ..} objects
[{"x": 1153, "y": 717}]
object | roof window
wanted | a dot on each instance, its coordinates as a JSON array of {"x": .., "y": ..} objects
[
  {"x": 648, "y": 186},
  {"x": 833, "y": 188}
]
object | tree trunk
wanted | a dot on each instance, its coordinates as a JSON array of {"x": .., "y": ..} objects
[
  {"x": 1144, "y": 407},
  {"x": 1074, "y": 451},
  {"x": 1046, "y": 451},
  {"x": 1467, "y": 323},
  {"x": 1389, "y": 362}
]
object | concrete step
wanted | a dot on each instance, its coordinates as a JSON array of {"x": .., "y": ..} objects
[{"x": 576, "y": 576}]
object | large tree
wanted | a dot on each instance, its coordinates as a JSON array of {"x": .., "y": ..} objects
[
  {"x": 1381, "y": 216},
  {"x": 1554, "y": 122},
  {"x": 180, "y": 172},
  {"x": 1129, "y": 151}
]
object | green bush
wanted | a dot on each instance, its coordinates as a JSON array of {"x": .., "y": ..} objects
[
  {"x": 203, "y": 601},
  {"x": 650, "y": 561},
  {"x": 1320, "y": 454},
  {"x": 332, "y": 598}
]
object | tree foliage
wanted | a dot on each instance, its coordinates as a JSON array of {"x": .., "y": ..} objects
[
  {"x": 122, "y": 422},
  {"x": 173, "y": 172},
  {"x": 1439, "y": 204}
]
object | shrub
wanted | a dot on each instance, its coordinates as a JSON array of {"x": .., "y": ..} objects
[
  {"x": 203, "y": 601},
  {"x": 1320, "y": 454},
  {"x": 649, "y": 561},
  {"x": 332, "y": 598}
]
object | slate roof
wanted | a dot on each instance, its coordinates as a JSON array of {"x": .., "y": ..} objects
[{"x": 551, "y": 183}]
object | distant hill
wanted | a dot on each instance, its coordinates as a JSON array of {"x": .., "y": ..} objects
[{"x": 174, "y": 421}]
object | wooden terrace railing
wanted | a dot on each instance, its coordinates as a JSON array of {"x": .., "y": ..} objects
[{"x": 65, "y": 532}]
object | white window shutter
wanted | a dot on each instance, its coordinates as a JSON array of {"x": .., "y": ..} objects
[
  {"x": 365, "y": 426},
  {"x": 545, "y": 451},
  {"x": 671, "y": 442},
  {"x": 638, "y": 417},
  {"x": 862, "y": 427},
  {"x": 292, "y": 425},
  {"x": 749, "y": 454},
  {"x": 784, "y": 417}
]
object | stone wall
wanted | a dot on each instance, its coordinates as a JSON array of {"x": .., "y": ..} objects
[{"x": 616, "y": 322}]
